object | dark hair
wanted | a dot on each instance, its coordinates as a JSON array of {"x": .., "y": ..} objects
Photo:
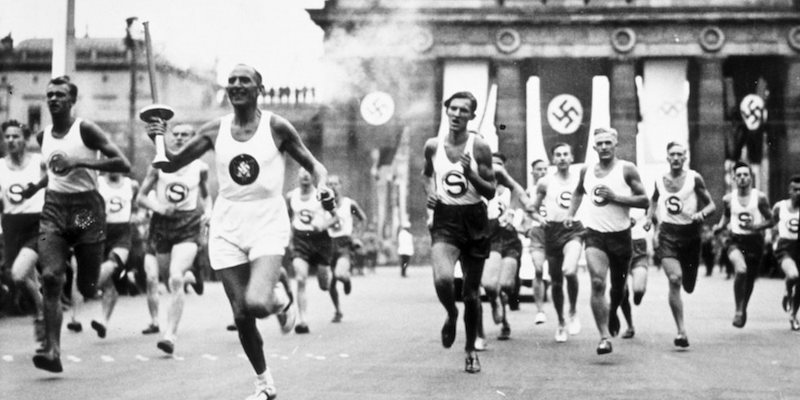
[
  {"x": 463, "y": 95},
  {"x": 673, "y": 144},
  {"x": 26, "y": 132},
  {"x": 741, "y": 164},
  {"x": 795, "y": 178},
  {"x": 560, "y": 144},
  {"x": 64, "y": 80},
  {"x": 536, "y": 161},
  {"x": 499, "y": 155}
]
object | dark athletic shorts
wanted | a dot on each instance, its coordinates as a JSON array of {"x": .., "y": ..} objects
[
  {"x": 681, "y": 242},
  {"x": 504, "y": 240},
  {"x": 616, "y": 245},
  {"x": 340, "y": 246},
  {"x": 556, "y": 236},
  {"x": 638, "y": 253},
  {"x": 19, "y": 230},
  {"x": 751, "y": 246},
  {"x": 118, "y": 236},
  {"x": 180, "y": 227},
  {"x": 313, "y": 247},
  {"x": 786, "y": 248},
  {"x": 79, "y": 218},
  {"x": 537, "y": 236},
  {"x": 465, "y": 227}
]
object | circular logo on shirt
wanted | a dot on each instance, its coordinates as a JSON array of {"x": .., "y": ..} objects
[
  {"x": 745, "y": 219},
  {"x": 674, "y": 205},
  {"x": 596, "y": 199},
  {"x": 455, "y": 183},
  {"x": 115, "y": 204},
  {"x": 243, "y": 169},
  {"x": 14, "y": 194},
  {"x": 792, "y": 225},
  {"x": 176, "y": 192},
  {"x": 54, "y": 165},
  {"x": 565, "y": 199}
]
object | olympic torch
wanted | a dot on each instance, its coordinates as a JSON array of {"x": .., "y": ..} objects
[{"x": 155, "y": 112}]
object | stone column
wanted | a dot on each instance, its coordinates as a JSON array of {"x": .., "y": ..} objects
[
  {"x": 511, "y": 115},
  {"x": 789, "y": 148},
  {"x": 707, "y": 144},
  {"x": 623, "y": 106}
]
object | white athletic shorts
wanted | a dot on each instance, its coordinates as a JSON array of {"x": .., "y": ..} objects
[{"x": 242, "y": 231}]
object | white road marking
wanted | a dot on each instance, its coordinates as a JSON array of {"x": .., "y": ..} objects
[
  {"x": 8, "y": 358},
  {"x": 295, "y": 350},
  {"x": 284, "y": 357},
  {"x": 179, "y": 358},
  {"x": 141, "y": 358},
  {"x": 501, "y": 393},
  {"x": 320, "y": 358},
  {"x": 309, "y": 355},
  {"x": 344, "y": 355},
  {"x": 107, "y": 358},
  {"x": 73, "y": 359},
  {"x": 210, "y": 357},
  {"x": 242, "y": 355}
]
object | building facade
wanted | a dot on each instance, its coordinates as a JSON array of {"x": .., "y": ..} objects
[{"x": 720, "y": 75}]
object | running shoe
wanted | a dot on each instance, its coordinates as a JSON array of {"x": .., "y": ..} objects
[
  {"x": 50, "y": 364},
  {"x": 151, "y": 329},
  {"x": 604, "y": 347},
  {"x": 613, "y": 324},
  {"x": 574, "y": 325},
  {"x": 166, "y": 345},
  {"x": 75, "y": 326},
  {"x": 348, "y": 285},
  {"x": 785, "y": 303},
  {"x": 301, "y": 329},
  {"x": 505, "y": 332},
  {"x": 480, "y": 344},
  {"x": 681, "y": 341},
  {"x": 337, "y": 317},
  {"x": 540, "y": 318},
  {"x": 264, "y": 391},
  {"x": 99, "y": 328},
  {"x": 198, "y": 285},
  {"x": 232, "y": 327},
  {"x": 795, "y": 324},
  {"x": 472, "y": 364},
  {"x": 561, "y": 334},
  {"x": 629, "y": 333},
  {"x": 497, "y": 310},
  {"x": 287, "y": 317},
  {"x": 740, "y": 319}
]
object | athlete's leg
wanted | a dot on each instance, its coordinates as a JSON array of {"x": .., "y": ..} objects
[
  {"x": 300, "y": 277},
  {"x": 572, "y": 253},
  {"x": 598, "y": 265},
  {"x": 639, "y": 279},
  {"x": 792, "y": 280},
  {"x": 53, "y": 259},
  {"x": 333, "y": 291},
  {"x": 473, "y": 269},
  {"x": 116, "y": 261},
  {"x": 23, "y": 272},
  {"x": 235, "y": 281},
  {"x": 538, "y": 258},
  {"x": 737, "y": 260},
  {"x": 627, "y": 313},
  {"x": 555, "y": 264},
  {"x": 490, "y": 280},
  {"x": 181, "y": 260},
  {"x": 152, "y": 271},
  {"x": 443, "y": 260},
  {"x": 672, "y": 268}
]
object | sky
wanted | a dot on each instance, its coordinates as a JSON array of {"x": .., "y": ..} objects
[{"x": 276, "y": 36}]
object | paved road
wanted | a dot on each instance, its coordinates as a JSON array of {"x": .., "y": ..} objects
[{"x": 388, "y": 347}]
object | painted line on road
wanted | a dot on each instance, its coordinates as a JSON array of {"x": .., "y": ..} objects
[
  {"x": 179, "y": 358},
  {"x": 501, "y": 393},
  {"x": 141, "y": 358},
  {"x": 73, "y": 359},
  {"x": 320, "y": 358},
  {"x": 107, "y": 358},
  {"x": 8, "y": 358},
  {"x": 210, "y": 357},
  {"x": 344, "y": 355}
]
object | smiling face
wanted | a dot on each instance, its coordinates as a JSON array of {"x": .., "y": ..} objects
[
  {"x": 59, "y": 101},
  {"x": 244, "y": 86},
  {"x": 459, "y": 113}
]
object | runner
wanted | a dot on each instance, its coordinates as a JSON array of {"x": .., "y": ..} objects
[
  {"x": 614, "y": 186},
  {"x": 746, "y": 214},
  {"x": 458, "y": 168},
  {"x": 537, "y": 246},
  {"x": 785, "y": 215},
  {"x": 250, "y": 226}
]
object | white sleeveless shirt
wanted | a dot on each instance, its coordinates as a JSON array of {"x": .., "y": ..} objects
[
  {"x": 304, "y": 211},
  {"x": 344, "y": 211},
  {"x": 740, "y": 214},
  {"x": 182, "y": 187},
  {"x": 78, "y": 179},
  {"x": 13, "y": 180},
  {"x": 677, "y": 208},
  {"x": 602, "y": 215},
  {"x": 249, "y": 170},
  {"x": 559, "y": 196},
  {"x": 498, "y": 205},
  {"x": 452, "y": 187},
  {"x": 119, "y": 199},
  {"x": 787, "y": 221}
]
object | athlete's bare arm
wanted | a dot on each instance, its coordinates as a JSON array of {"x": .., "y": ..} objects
[
  {"x": 205, "y": 195},
  {"x": 638, "y": 197},
  {"x": 766, "y": 213},
  {"x": 429, "y": 183},
  {"x": 288, "y": 140},
  {"x": 538, "y": 198},
  {"x": 726, "y": 214},
  {"x": 703, "y": 197},
  {"x": 577, "y": 198},
  {"x": 650, "y": 217},
  {"x": 483, "y": 181},
  {"x": 148, "y": 184},
  {"x": 504, "y": 178},
  {"x": 32, "y": 188}
]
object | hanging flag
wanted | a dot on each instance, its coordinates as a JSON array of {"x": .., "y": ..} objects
[
  {"x": 470, "y": 76},
  {"x": 664, "y": 109},
  {"x": 486, "y": 127},
  {"x": 601, "y": 114},
  {"x": 535, "y": 149}
]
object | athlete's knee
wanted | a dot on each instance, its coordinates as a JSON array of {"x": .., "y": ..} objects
[
  {"x": 598, "y": 284},
  {"x": 539, "y": 275},
  {"x": 675, "y": 280},
  {"x": 87, "y": 289},
  {"x": 471, "y": 296},
  {"x": 442, "y": 281},
  {"x": 176, "y": 280},
  {"x": 53, "y": 282},
  {"x": 18, "y": 275}
]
